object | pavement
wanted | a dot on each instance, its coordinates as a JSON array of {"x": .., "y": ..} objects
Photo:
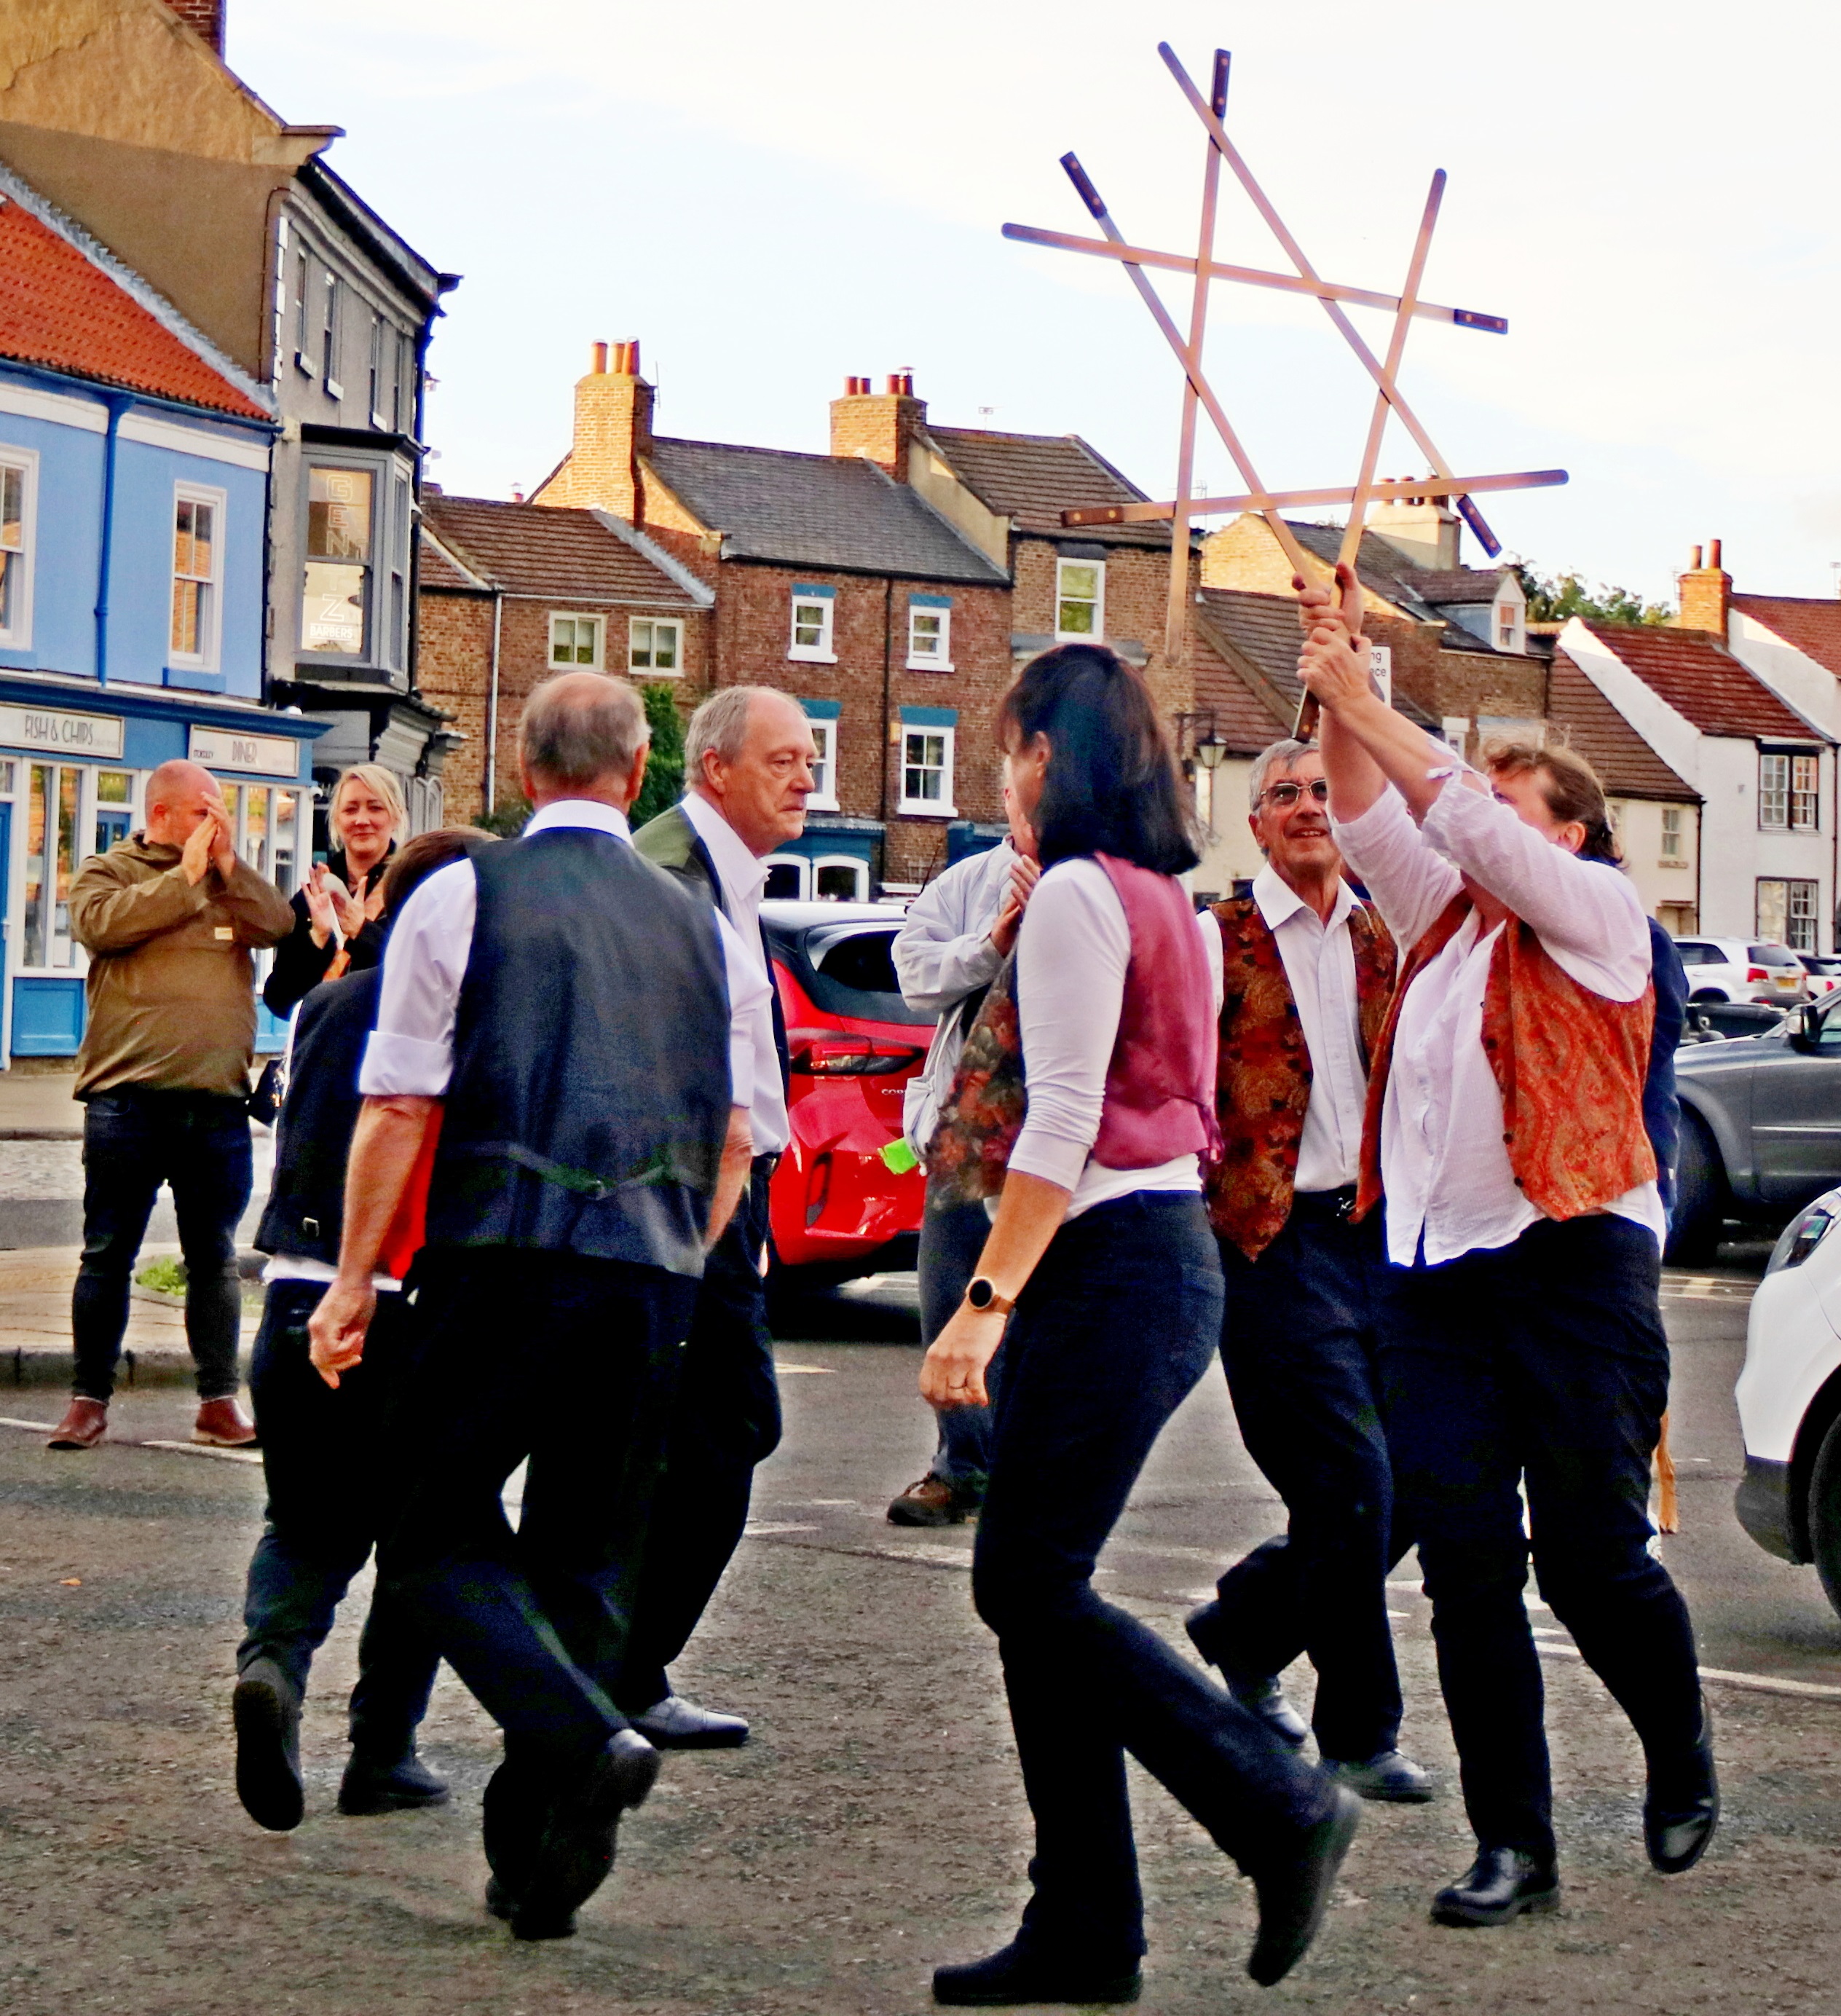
[{"x": 875, "y": 1826}]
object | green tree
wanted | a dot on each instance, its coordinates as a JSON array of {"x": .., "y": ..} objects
[
  {"x": 664, "y": 770},
  {"x": 1553, "y": 600}
]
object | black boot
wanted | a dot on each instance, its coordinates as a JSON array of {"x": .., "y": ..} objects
[
  {"x": 1294, "y": 1890},
  {"x": 1681, "y": 1808},
  {"x": 1016, "y": 1974},
  {"x": 1499, "y": 1885},
  {"x": 374, "y": 1784},
  {"x": 266, "y": 1710}
]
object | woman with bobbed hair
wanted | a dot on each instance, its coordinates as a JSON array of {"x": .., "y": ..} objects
[
  {"x": 337, "y": 908},
  {"x": 1101, "y": 1246},
  {"x": 1521, "y": 1338}
]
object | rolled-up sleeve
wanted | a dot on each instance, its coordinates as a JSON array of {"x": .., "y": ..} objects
[{"x": 411, "y": 1051}]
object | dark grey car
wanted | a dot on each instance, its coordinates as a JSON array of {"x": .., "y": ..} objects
[{"x": 1760, "y": 1125}]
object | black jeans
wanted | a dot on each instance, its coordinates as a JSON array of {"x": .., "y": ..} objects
[
  {"x": 1545, "y": 1360},
  {"x": 331, "y": 1462},
  {"x": 573, "y": 1363},
  {"x": 1119, "y": 1321},
  {"x": 726, "y": 1419},
  {"x": 133, "y": 1142},
  {"x": 1299, "y": 1343},
  {"x": 952, "y": 1238}
]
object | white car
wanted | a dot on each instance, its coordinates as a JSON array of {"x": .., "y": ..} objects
[
  {"x": 1736, "y": 970},
  {"x": 1789, "y": 1398},
  {"x": 1825, "y": 973}
]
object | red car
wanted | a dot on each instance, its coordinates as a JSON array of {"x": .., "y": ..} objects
[{"x": 835, "y": 1208}]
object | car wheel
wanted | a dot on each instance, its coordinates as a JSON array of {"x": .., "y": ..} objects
[
  {"x": 1708, "y": 994},
  {"x": 1700, "y": 1196},
  {"x": 1824, "y": 1514}
]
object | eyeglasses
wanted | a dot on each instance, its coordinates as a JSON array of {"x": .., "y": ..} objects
[{"x": 1286, "y": 795}]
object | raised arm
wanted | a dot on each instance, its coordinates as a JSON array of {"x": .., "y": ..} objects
[{"x": 109, "y": 914}]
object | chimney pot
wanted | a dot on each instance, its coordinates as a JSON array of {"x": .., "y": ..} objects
[
  {"x": 597, "y": 358},
  {"x": 1713, "y": 553},
  {"x": 1694, "y": 564}
]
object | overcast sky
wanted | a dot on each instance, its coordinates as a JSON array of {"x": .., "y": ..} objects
[{"x": 770, "y": 197}]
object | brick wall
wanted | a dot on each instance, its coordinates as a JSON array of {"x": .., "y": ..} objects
[
  {"x": 1136, "y": 611},
  {"x": 454, "y": 655},
  {"x": 877, "y": 424}
]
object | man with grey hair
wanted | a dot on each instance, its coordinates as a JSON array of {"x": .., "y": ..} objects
[
  {"x": 748, "y": 758},
  {"x": 1309, "y": 972},
  {"x": 581, "y": 1030}
]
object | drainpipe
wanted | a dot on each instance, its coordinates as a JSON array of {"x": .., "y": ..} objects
[
  {"x": 117, "y": 407},
  {"x": 492, "y": 706},
  {"x": 889, "y": 729}
]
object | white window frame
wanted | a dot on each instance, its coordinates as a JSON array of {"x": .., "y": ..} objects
[
  {"x": 17, "y": 635},
  {"x": 1508, "y": 624},
  {"x": 820, "y": 653},
  {"x": 940, "y": 808},
  {"x": 859, "y": 874},
  {"x": 801, "y": 864},
  {"x": 1805, "y": 795},
  {"x": 1097, "y": 634},
  {"x": 211, "y": 630},
  {"x": 332, "y": 336},
  {"x": 824, "y": 737},
  {"x": 934, "y": 661},
  {"x": 594, "y": 665},
  {"x": 1774, "y": 791},
  {"x": 1671, "y": 833},
  {"x": 675, "y": 625}
]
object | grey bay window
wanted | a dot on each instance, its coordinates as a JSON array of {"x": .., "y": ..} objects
[{"x": 354, "y": 605}]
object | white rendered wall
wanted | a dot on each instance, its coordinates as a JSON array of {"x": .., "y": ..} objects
[{"x": 1811, "y": 689}]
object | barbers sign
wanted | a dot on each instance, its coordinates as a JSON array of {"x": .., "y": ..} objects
[
  {"x": 93, "y": 734},
  {"x": 229, "y": 749}
]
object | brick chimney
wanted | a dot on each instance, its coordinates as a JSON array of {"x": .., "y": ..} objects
[
  {"x": 1423, "y": 531},
  {"x": 1706, "y": 592},
  {"x": 879, "y": 425},
  {"x": 204, "y": 17},
  {"x": 613, "y": 433}
]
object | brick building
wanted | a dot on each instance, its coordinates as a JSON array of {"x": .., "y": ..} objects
[{"x": 509, "y": 593}]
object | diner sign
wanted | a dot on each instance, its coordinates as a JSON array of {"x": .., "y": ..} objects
[
  {"x": 69, "y": 734},
  {"x": 230, "y": 749}
]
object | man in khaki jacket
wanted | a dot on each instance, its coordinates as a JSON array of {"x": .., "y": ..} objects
[{"x": 170, "y": 918}]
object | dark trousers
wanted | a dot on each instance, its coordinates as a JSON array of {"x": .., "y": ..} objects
[
  {"x": 330, "y": 1461},
  {"x": 572, "y": 1363},
  {"x": 1299, "y": 1342},
  {"x": 952, "y": 1238},
  {"x": 133, "y": 1141},
  {"x": 1544, "y": 1360},
  {"x": 726, "y": 1419},
  {"x": 1119, "y": 1321}
]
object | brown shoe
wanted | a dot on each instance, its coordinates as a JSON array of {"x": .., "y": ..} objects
[
  {"x": 85, "y": 1424},
  {"x": 934, "y": 1501},
  {"x": 223, "y": 1424}
]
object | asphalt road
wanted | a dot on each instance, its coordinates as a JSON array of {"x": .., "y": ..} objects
[{"x": 875, "y": 1826}]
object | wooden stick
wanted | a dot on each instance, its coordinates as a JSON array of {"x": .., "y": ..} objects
[
  {"x": 1260, "y": 500},
  {"x": 1211, "y": 406},
  {"x": 1333, "y": 309},
  {"x": 1254, "y": 276},
  {"x": 1176, "y": 624},
  {"x": 1403, "y": 321}
]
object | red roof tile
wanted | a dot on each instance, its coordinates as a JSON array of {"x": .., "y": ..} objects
[
  {"x": 541, "y": 549},
  {"x": 60, "y": 309},
  {"x": 1701, "y": 680},
  {"x": 1628, "y": 767},
  {"x": 1813, "y": 626}
]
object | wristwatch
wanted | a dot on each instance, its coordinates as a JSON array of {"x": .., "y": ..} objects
[{"x": 981, "y": 1294}]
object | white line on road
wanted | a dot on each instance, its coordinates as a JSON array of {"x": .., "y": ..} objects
[
  {"x": 1762, "y": 1683},
  {"x": 126, "y": 1442}
]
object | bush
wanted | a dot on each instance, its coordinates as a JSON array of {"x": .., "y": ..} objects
[{"x": 664, "y": 769}]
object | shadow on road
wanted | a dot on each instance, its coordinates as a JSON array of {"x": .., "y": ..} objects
[{"x": 880, "y": 1308}]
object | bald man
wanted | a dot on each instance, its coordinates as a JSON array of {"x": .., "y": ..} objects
[{"x": 170, "y": 918}]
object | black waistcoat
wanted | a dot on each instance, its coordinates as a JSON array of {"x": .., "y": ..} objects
[
  {"x": 590, "y": 1096},
  {"x": 308, "y": 1200}
]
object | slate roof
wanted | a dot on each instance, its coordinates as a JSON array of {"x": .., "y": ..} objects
[
  {"x": 818, "y": 511},
  {"x": 535, "y": 549},
  {"x": 1263, "y": 630},
  {"x": 1032, "y": 478},
  {"x": 1813, "y": 626},
  {"x": 1701, "y": 680},
  {"x": 1440, "y": 585},
  {"x": 1626, "y": 765},
  {"x": 60, "y": 309},
  {"x": 1418, "y": 592}
]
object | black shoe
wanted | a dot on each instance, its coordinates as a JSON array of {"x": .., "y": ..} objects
[
  {"x": 1294, "y": 1892},
  {"x": 388, "y": 1785},
  {"x": 574, "y": 1852},
  {"x": 1259, "y": 1693},
  {"x": 1500, "y": 1884},
  {"x": 1682, "y": 1806},
  {"x": 1389, "y": 1777},
  {"x": 675, "y": 1723},
  {"x": 1015, "y": 1975},
  {"x": 934, "y": 1501},
  {"x": 266, "y": 1710}
]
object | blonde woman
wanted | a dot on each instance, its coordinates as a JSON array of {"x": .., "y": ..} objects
[{"x": 337, "y": 907}]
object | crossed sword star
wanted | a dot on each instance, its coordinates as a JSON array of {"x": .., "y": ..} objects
[{"x": 1198, "y": 394}]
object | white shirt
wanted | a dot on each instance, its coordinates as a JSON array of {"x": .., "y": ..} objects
[
  {"x": 1444, "y": 1164},
  {"x": 1071, "y": 957},
  {"x": 942, "y": 953},
  {"x": 411, "y": 1051},
  {"x": 1319, "y": 962},
  {"x": 741, "y": 875}
]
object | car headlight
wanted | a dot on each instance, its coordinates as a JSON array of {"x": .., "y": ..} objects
[{"x": 1804, "y": 1232}]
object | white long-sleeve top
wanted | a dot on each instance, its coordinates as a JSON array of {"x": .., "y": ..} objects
[
  {"x": 942, "y": 953},
  {"x": 1449, "y": 1188},
  {"x": 1071, "y": 957}
]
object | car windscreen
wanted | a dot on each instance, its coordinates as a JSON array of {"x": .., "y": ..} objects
[
  {"x": 1773, "y": 954},
  {"x": 850, "y": 971}
]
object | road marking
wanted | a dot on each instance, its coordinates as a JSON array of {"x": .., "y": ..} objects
[
  {"x": 1762, "y": 1683},
  {"x": 127, "y": 1441},
  {"x": 814, "y": 1371}
]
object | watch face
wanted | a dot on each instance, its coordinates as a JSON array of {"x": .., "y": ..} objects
[{"x": 981, "y": 1294}]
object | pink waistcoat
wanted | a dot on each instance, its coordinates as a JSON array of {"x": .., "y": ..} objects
[{"x": 1160, "y": 1085}]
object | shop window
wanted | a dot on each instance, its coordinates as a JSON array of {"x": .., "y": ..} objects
[
  {"x": 50, "y": 861},
  {"x": 336, "y": 606}
]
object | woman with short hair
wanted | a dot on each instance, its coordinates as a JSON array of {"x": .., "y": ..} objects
[
  {"x": 337, "y": 907},
  {"x": 1522, "y": 1343},
  {"x": 1101, "y": 1245}
]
